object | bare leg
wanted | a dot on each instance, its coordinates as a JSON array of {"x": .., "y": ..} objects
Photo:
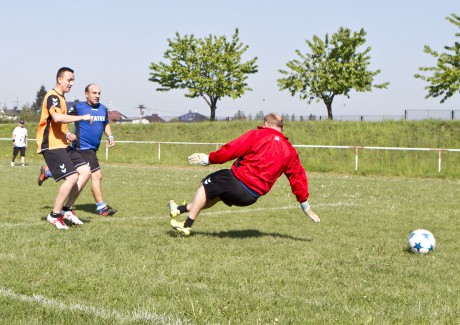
[
  {"x": 64, "y": 191},
  {"x": 96, "y": 186},
  {"x": 84, "y": 173},
  {"x": 199, "y": 203}
]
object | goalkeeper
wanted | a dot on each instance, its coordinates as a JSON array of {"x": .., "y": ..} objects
[{"x": 262, "y": 155}]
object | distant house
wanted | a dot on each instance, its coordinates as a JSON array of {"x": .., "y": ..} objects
[
  {"x": 154, "y": 118},
  {"x": 192, "y": 117},
  {"x": 117, "y": 117},
  {"x": 8, "y": 115}
]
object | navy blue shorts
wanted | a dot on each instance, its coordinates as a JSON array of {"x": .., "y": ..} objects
[
  {"x": 91, "y": 158},
  {"x": 228, "y": 188}
]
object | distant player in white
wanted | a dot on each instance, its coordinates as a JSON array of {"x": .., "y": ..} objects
[{"x": 19, "y": 143}]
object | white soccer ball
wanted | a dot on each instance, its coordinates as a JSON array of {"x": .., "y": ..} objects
[{"x": 421, "y": 241}]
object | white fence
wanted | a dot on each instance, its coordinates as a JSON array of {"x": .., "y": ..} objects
[
  {"x": 217, "y": 145},
  {"x": 356, "y": 148}
]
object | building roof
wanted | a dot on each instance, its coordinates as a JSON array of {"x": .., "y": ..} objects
[
  {"x": 192, "y": 117},
  {"x": 116, "y": 116},
  {"x": 154, "y": 118}
]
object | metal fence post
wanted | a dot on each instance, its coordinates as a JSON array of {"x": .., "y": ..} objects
[
  {"x": 356, "y": 158},
  {"x": 439, "y": 160}
]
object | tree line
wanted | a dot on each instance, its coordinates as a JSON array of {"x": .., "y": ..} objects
[{"x": 212, "y": 68}]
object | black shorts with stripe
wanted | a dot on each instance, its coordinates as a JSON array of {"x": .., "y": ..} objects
[
  {"x": 62, "y": 162},
  {"x": 228, "y": 188}
]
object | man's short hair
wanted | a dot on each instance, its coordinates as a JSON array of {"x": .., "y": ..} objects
[
  {"x": 273, "y": 119},
  {"x": 61, "y": 71},
  {"x": 87, "y": 87}
]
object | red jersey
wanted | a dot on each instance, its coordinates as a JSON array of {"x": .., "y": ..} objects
[{"x": 262, "y": 156}]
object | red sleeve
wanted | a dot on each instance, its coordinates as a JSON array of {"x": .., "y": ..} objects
[
  {"x": 232, "y": 150},
  {"x": 298, "y": 179}
]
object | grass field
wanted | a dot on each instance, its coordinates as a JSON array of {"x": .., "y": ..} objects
[
  {"x": 413, "y": 134},
  {"x": 264, "y": 264}
]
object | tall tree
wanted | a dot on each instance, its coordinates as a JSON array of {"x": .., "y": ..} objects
[
  {"x": 445, "y": 80},
  {"x": 210, "y": 68},
  {"x": 239, "y": 115},
  {"x": 334, "y": 67},
  {"x": 37, "y": 104}
]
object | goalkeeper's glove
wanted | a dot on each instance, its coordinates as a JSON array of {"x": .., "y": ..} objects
[
  {"x": 199, "y": 159},
  {"x": 305, "y": 206}
]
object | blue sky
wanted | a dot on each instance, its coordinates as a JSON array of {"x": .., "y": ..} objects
[{"x": 113, "y": 43}]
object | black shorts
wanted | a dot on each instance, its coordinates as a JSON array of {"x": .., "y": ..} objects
[
  {"x": 22, "y": 150},
  {"x": 62, "y": 162},
  {"x": 228, "y": 188},
  {"x": 91, "y": 158}
]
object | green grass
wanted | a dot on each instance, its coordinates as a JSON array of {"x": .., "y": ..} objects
[{"x": 264, "y": 264}]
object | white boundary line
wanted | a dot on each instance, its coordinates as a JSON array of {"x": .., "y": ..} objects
[
  {"x": 242, "y": 211},
  {"x": 217, "y": 212},
  {"x": 137, "y": 315}
]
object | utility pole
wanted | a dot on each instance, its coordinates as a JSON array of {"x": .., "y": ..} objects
[
  {"x": 142, "y": 108},
  {"x": 16, "y": 107}
]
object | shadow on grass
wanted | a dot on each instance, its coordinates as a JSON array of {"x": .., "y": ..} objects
[
  {"x": 89, "y": 208},
  {"x": 241, "y": 234}
]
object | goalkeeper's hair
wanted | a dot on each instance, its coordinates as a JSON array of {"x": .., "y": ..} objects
[{"x": 274, "y": 120}]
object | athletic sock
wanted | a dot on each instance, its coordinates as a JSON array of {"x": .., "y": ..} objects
[
  {"x": 188, "y": 223},
  {"x": 100, "y": 206},
  {"x": 48, "y": 173},
  {"x": 66, "y": 209},
  {"x": 182, "y": 208},
  {"x": 55, "y": 215}
]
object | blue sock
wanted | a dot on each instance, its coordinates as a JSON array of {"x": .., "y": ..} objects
[
  {"x": 100, "y": 206},
  {"x": 48, "y": 173}
]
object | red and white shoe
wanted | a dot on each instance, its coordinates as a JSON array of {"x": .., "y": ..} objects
[
  {"x": 58, "y": 222},
  {"x": 72, "y": 217}
]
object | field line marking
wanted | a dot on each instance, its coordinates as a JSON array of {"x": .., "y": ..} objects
[
  {"x": 204, "y": 213},
  {"x": 137, "y": 315},
  {"x": 242, "y": 211}
]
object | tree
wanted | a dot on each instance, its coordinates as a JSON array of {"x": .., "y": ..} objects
[
  {"x": 210, "y": 68},
  {"x": 37, "y": 104},
  {"x": 445, "y": 80},
  {"x": 28, "y": 114},
  {"x": 239, "y": 115},
  {"x": 334, "y": 67},
  {"x": 260, "y": 115}
]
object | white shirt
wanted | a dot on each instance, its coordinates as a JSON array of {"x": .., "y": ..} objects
[{"x": 19, "y": 136}]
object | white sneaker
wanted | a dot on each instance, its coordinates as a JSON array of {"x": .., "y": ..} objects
[
  {"x": 72, "y": 217},
  {"x": 58, "y": 222},
  {"x": 12, "y": 164}
]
